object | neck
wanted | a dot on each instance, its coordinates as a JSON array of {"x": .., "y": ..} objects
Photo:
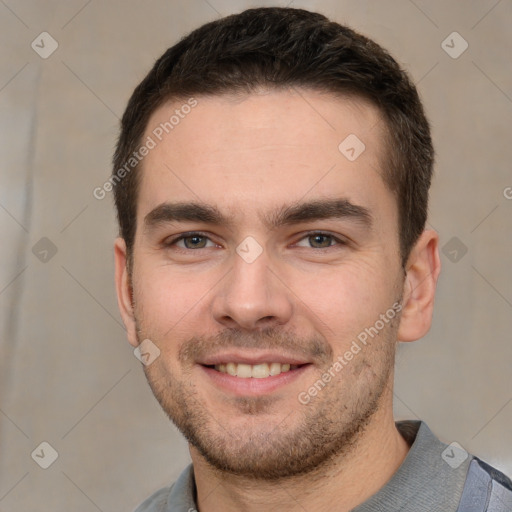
[{"x": 347, "y": 482}]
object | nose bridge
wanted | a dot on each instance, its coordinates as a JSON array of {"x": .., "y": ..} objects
[{"x": 251, "y": 295}]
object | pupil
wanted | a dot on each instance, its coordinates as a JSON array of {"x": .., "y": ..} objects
[
  {"x": 194, "y": 240},
  {"x": 318, "y": 239}
]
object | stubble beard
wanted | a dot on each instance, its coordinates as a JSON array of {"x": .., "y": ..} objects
[{"x": 305, "y": 439}]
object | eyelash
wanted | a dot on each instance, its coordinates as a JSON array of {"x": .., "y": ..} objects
[{"x": 193, "y": 234}]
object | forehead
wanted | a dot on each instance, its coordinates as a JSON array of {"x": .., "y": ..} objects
[{"x": 256, "y": 151}]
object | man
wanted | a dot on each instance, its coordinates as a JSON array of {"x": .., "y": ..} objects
[{"x": 271, "y": 182}]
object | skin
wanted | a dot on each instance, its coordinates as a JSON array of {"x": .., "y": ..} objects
[{"x": 303, "y": 296}]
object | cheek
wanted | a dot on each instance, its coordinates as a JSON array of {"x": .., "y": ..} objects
[
  {"x": 342, "y": 302},
  {"x": 166, "y": 302}
]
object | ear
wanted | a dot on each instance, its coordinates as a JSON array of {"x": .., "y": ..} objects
[
  {"x": 124, "y": 291},
  {"x": 422, "y": 271}
]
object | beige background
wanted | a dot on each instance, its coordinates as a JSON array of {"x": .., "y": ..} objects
[{"x": 68, "y": 376}]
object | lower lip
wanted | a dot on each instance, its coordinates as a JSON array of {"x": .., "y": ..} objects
[{"x": 251, "y": 386}]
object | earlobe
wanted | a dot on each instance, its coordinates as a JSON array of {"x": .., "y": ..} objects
[
  {"x": 422, "y": 272},
  {"x": 124, "y": 290}
]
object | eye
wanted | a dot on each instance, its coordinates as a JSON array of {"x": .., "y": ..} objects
[
  {"x": 197, "y": 240},
  {"x": 190, "y": 241},
  {"x": 320, "y": 240}
]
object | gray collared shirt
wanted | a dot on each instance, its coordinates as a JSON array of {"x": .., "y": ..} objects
[{"x": 430, "y": 479}]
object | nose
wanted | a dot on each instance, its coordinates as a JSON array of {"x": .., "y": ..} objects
[{"x": 252, "y": 296}]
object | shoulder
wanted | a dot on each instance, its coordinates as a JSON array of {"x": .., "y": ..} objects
[
  {"x": 179, "y": 496},
  {"x": 495, "y": 474},
  {"x": 156, "y": 502},
  {"x": 486, "y": 488}
]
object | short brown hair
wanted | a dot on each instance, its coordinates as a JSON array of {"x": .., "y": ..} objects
[{"x": 277, "y": 48}]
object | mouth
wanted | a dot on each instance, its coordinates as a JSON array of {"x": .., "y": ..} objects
[
  {"x": 240, "y": 375},
  {"x": 255, "y": 371}
]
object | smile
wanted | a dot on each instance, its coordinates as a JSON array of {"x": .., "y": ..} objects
[{"x": 255, "y": 371}]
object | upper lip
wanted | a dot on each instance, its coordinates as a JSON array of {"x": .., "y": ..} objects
[{"x": 251, "y": 358}]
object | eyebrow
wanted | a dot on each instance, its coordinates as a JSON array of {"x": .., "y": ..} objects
[{"x": 321, "y": 209}]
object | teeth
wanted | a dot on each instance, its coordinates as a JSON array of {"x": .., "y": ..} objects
[
  {"x": 275, "y": 368},
  {"x": 256, "y": 371},
  {"x": 244, "y": 371}
]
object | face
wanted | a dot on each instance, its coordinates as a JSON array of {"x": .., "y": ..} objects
[{"x": 264, "y": 255}]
